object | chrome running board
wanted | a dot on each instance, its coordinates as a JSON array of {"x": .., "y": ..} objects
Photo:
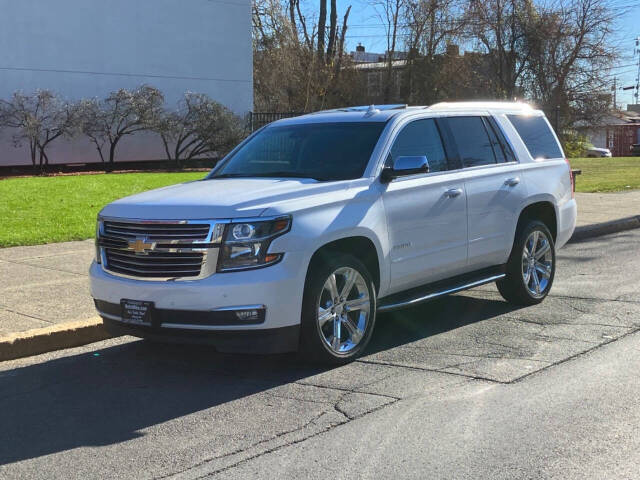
[{"x": 430, "y": 292}]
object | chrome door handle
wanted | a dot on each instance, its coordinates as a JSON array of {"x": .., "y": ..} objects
[
  {"x": 453, "y": 192},
  {"x": 512, "y": 182}
]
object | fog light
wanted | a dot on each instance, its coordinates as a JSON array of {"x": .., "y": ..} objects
[{"x": 247, "y": 315}]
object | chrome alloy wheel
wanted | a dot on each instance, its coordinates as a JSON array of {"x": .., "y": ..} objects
[
  {"x": 343, "y": 310},
  {"x": 537, "y": 263}
]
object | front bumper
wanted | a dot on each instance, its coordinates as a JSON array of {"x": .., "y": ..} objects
[
  {"x": 272, "y": 340},
  {"x": 195, "y": 305}
]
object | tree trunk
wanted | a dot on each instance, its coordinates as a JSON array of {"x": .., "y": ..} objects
[
  {"x": 165, "y": 143},
  {"x": 338, "y": 65},
  {"x": 33, "y": 150},
  {"x": 112, "y": 153},
  {"x": 292, "y": 18},
  {"x": 322, "y": 23},
  {"x": 333, "y": 19}
]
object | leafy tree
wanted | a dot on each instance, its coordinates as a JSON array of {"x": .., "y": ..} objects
[
  {"x": 124, "y": 112},
  {"x": 200, "y": 127},
  {"x": 38, "y": 119}
]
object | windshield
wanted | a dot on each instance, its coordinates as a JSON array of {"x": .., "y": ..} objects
[{"x": 323, "y": 151}]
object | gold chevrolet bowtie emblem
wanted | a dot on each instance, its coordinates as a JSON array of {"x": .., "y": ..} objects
[{"x": 140, "y": 245}]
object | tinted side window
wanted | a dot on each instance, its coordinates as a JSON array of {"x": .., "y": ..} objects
[
  {"x": 506, "y": 148},
  {"x": 472, "y": 141},
  {"x": 421, "y": 138},
  {"x": 536, "y": 135},
  {"x": 497, "y": 146}
]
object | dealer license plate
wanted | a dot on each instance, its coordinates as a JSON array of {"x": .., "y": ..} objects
[{"x": 136, "y": 311}]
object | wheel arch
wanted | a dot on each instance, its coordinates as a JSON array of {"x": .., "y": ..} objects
[
  {"x": 360, "y": 246},
  {"x": 542, "y": 209}
]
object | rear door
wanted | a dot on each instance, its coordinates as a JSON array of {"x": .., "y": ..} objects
[
  {"x": 493, "y": 184},
  {"x": 426, "y": 213}
]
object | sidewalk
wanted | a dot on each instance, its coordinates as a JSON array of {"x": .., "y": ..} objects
[
  {"x": 46, "y": 285},
  {"x": 605, "y": 207}
]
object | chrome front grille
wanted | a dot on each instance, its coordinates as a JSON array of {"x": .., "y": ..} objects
[
  {"x": 154, "y": 264},
  {"x": 159, "y": 250},
  {"x": 158, "y": 231}
]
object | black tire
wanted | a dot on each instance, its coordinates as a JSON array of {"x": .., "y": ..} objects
[
  {"x": 313, "y": 346},
  {"x": 513, "y": 287}
]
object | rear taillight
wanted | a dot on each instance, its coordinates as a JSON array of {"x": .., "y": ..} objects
[{"x": 573, "y": 185}]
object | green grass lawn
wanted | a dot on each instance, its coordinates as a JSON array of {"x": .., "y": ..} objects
[
  {"x": 39, "y": 210},
  {"x": 607, "y": 174}
]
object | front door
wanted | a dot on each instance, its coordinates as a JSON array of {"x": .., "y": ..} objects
[{"x": 426, "y": 213}]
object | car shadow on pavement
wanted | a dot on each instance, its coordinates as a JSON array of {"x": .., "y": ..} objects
[
  {"x": 409, "y": 325},
  {"x": 107, "y": 396}
]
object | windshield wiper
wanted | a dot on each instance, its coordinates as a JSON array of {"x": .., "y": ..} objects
[
  {"x": 282, "y": 174},
  {"x": 229, "y": 175}
]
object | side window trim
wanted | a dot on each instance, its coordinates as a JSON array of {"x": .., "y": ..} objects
[
  {"x": 495, "y": 142},
  {"x": 504, "y": 141},
  {"x": 450, "y": 148},
  {"x": 483, "y": 119}
]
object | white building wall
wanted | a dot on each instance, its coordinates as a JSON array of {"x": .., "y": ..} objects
[{"x": 88, "y": 48}]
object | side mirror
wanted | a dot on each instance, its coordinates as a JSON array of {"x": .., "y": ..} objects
[{"x": 403, "y": 166}]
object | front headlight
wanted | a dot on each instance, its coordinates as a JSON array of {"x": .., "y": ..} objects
[{"x": 245, "y": 244}]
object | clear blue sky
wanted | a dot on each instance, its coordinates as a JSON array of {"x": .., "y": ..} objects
[{"x": 366, "y": 28}]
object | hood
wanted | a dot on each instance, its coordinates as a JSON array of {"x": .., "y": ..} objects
[
  {"x": 223, "y": 198},
  {"x": 598, "y": 149}
]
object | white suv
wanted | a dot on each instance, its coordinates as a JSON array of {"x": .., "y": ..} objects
[{"x": 314, "y": 224}]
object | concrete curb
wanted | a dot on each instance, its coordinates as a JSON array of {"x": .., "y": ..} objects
[
  {"x": 597, "y": 229},
  {"x": 55, "y": 337}
]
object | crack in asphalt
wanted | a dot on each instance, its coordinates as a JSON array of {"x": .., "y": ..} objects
[
  {"x": 435, "y": 370},
  {"x": 577, "y": 324},
  {"x": 488, "y": 355},
  {"x": 577, "y": 355},
  {"x": 240, "y": 450},
  {"x": 335, "y": 408},
  {"x": 595, "y": 299}
]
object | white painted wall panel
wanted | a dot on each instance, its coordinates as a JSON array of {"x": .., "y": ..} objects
[{"x": 88, "y": 48}]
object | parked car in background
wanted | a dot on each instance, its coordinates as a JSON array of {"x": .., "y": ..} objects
[
  {"x": 314, "y": 224},
  {"x": 595, "y": 152},
  {"x": 635, "y": 149}
]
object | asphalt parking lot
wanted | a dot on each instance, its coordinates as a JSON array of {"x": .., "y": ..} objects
[{"x": 463, "y": 387}]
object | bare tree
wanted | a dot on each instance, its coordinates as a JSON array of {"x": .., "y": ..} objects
[
  {"x": 200, "y": 127},
  {"x": 38, "y": 119},
  {"x": 501, "y": 26},
  {"x": 122, "y": 113},
  {"x": 430, "y": 26},
  {"x": 92, "y": 124},
  {"x": 312, "y": 56},
  {"x": 570, "y": 51},
  {"x": 322, "y": 24},
  {"x": 390, "y": 13}
]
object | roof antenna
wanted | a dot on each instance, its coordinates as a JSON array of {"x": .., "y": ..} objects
[{"x": 371, "y": 111}]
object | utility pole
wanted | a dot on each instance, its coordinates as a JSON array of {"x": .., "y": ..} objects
[
  {"x": 615, "y": 89},
  {"x": 637, "y": 52}
]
